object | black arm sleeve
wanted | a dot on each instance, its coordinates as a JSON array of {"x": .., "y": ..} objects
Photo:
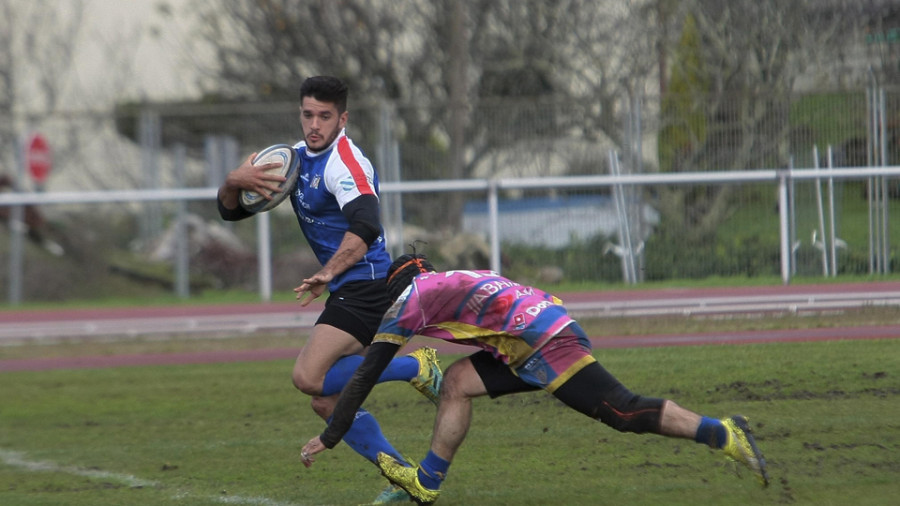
[
  {"x": 362, "y": 213},
  {"x": 355, "y": 392},
  {"x": 236, "y": 214}
]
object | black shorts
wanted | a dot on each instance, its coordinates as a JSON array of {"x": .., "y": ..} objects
[
  {"x": 497, "y": 377},
  {"x": 357, "y": 308}
]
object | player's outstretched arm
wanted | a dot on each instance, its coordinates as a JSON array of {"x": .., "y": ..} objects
[
  {"x": 352, "y": 397},
  {"x": 351, "y": 250}
]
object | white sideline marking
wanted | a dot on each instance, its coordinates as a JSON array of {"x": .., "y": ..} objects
[{"x": 17, "y": 459}]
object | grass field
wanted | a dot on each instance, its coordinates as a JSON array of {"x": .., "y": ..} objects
[{"x": 826, "y": 414}]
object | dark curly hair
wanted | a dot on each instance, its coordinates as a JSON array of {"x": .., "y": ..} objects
[
  {"x": 326, "y": 89},
  {"x": 401, "y": 273}
]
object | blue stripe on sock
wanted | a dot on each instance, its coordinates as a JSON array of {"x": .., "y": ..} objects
[
  {"x": 711, "y": 432},
  {"x": 432, "y": 471}
]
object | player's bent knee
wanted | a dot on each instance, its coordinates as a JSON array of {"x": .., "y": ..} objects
[
  {"x": 628, "y": 412},
  {"x": 303, "y": 383},
  {"x": 450, "y": 385},
  {"x": 458, "y": 379}
]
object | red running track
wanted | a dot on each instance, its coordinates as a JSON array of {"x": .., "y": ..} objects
[{"x": 873, "y": 293}]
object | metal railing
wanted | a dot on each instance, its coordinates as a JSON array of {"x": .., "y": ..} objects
[{"x": 783, "y": 181}]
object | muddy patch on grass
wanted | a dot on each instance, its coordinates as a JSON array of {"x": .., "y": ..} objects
[{"x": 775, "y": 389}]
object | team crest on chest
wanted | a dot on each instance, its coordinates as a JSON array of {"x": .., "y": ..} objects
[{"x": 315, "y": 182}]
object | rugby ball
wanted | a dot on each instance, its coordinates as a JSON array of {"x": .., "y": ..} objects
[{"x": 290, "y": 168}]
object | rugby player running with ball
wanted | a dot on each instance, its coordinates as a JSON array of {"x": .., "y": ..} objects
[{"x": 337, "y": 207}]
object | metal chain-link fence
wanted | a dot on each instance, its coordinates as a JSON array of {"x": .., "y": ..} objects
[{"x": 551, "y": 232}]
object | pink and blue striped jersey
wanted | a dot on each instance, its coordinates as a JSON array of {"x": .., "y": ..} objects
[{"x": 477, "y": 308}]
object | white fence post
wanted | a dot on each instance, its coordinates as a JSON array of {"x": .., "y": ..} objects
[
  {"x": 494, "y": 220},
  {"x": 16, "y": 222},
  {"x": 264, "y": 254},
  {"x": 182, "y": 242},
  {"x": 783, "y": 209}
]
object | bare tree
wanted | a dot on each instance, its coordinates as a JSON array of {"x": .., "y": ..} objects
[
  {"x": 540, "y": 79},
  {"x": 7, "y": 86},
  {"x": 490, "y": 76},
  {"x": 729, "y": 88},
  {"x": 38, "y": 40}
]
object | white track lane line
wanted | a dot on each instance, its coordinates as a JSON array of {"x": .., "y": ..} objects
[{"x": 19, "y": 460}]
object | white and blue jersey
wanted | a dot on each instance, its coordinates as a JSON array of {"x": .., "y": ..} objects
[{"x": 329, "y": 179}]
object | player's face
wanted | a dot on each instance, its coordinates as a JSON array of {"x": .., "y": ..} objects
[{"x": 321, "y": 123}]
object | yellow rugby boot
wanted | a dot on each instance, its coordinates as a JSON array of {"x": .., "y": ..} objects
[
  {"x": 406, "y": 478},
  {"x": 741, "y": 447},
  {"x": 428, "y": 381}
]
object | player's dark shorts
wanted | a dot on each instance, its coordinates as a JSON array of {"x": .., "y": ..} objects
[
  {"x": 357, "y": 308},
  {"x": 547, "y": 369}
]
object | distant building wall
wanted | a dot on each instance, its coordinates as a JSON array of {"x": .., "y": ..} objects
[{"x": 551, "y": 222}]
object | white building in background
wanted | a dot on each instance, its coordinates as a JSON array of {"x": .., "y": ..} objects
[
  {"x": 76, "y": 62},
  {"x": 132, "y": 50},
  {"x": 551, "y": 222}
]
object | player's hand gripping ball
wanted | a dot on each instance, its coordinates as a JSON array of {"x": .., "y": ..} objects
[{"x": 290, "y": 169}]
